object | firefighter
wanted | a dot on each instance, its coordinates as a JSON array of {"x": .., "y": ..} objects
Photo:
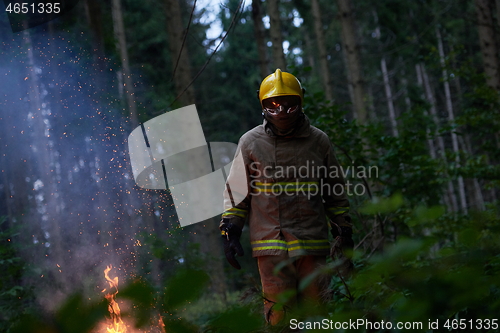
[{"x": 294, "y": 187}]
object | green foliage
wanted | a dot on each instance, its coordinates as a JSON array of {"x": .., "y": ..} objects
[
  {"x": 185, "y": 286},
  {"x": 480, "y": 114},
  {"x": 438, "y": 275},
  {"x": 238, "y": 319},
  {"x": 76, "y": 315},
  {"x": 400, "y": 162},
  {"x": 383, "y": 205},
  {"x": 143, "y": 296},
  {"x": 440, "y": 265},
  {"x": 432, "y": 277},
  {"x": 16, "y": 298}
]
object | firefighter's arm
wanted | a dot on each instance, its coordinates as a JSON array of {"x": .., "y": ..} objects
[
  {"x": 236, "y": 206},
  {"x": 237, "y": 191},
  {"x": 334, "y": 192}
]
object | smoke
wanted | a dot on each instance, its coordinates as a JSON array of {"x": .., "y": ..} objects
[{"x": 67, "y": 181}]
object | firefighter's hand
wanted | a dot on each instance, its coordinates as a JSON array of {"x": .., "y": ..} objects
[
  {"x": 231, "y": 240},
  {"x": 342, "y": 249}
]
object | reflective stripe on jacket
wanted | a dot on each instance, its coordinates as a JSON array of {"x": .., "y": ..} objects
[{"x": 293, "y": 184}]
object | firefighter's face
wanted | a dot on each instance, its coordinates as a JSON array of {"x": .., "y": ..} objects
[{"x": 282, "y": 111}]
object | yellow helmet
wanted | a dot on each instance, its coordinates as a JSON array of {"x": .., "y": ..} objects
[{"x": 280, "y": 84}]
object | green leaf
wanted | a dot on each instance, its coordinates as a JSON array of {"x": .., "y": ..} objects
[
  {"x": 78, "y": 316},
  {"x": 469, "y": 237},
  {"x": 13, "y": 291},
  {"x": 142, "y": 294},
  {"x": 185, "y": 286},
  {"x": 383, "y": 205},
  {"x": 237, "y": 320},
  {"x": 31, "y": 324},
  {"x": 426, "y": 214},
  {"x": 180, "y": 325}
]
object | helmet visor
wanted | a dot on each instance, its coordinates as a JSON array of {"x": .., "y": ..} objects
[{"x": 281, "y": 104}]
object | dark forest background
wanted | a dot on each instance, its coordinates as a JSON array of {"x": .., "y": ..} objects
[{"x": 408, "y": 87}]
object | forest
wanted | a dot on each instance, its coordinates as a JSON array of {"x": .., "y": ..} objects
[{"x": 406, "y": 90}]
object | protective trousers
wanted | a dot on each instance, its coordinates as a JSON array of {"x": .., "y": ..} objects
[{"x": 288, "y": 278}]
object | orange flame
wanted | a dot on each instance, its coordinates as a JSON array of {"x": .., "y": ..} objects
[{"x": 116, "y": 324}]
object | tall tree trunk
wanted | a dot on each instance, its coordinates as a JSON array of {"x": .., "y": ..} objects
[
  {"x": 321, "y": 44},
  {"x": 180, "y": 56},
  {"x": 478, "y": 194},
  {"x": 309, "y": 46},
  {"x": 260, "y": 38},
  {"x": 433, "y": 112},
  {"x": 468, "y": 147},
  {"x": 121, "y": 46},
  {"x": 352, "y": 56},
  {"x": 276, "y": 35},
  {"x": 497, "y": 7},
  {"x": 387, "y": 84},
  {"x": 404, "y": 80},
  {"x": 94, "y": 20},
  {"x": 388, "y": 96},
  {"x": 451, "y": 118},
  {"x": 430, "y": 141},
  {"x": 487, "y": 42},
  {"x": 456, "y": 80},
  {"x": 372, "y": 115},
  {"x": 430, "y": 98}
]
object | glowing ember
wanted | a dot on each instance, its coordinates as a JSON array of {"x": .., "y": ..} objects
[{"x": 116, "y": 324}]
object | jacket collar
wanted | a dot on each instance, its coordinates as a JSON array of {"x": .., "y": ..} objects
[{"x": 302, "y": 131}]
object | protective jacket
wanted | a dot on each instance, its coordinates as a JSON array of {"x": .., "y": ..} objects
[{"x": 294, "y": 183}]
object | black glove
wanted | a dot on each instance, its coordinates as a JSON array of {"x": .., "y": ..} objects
[
  {"x": 231, "y": 240},
  {"x": 342, "y": 238},
  {"x": 345, "y": 235}
]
